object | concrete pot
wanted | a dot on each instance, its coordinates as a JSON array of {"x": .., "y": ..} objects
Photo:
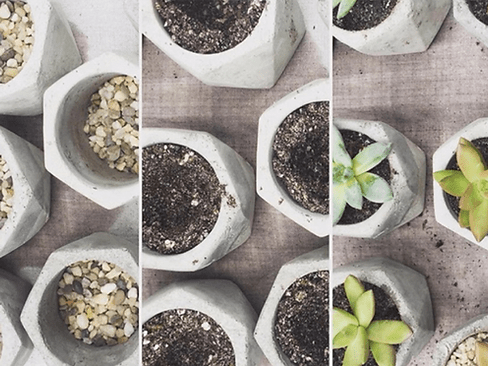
[
  {"x": 54, "y": 54},
  {"x": 441, "y": 157},
  {"x": 41, "y": 318},
  {"x": 411, "y": 27},
  {"x": 409, "y": 291},
  {"x": 317, "y": 260},
  {"x": 267, "y": 184},
  {"x": 465, "y": 17},
  {"x": 222, "y": 301},
  {"x": 407, "y": 162},
  {"x": 131, "y": 9},
  {"x": 32, "y": 193},
  {"x": 69, "y": 157},
  {"x": 233, "y": 226},
  {"x": 257, "y": 62}
]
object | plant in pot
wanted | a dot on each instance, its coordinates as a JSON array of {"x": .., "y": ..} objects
[
  {"x": 388, "y": 27},
  {"x": 380, "y": 174},
  {"x": 473, "y": 16},
  {"x": 244, "y": 44}
]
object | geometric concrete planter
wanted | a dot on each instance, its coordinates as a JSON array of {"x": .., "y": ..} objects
[
  {"x": 267, "y": 185},
  {"x": 257, "y": 62},
  {"x": 443, "y": 154},
  {"x": 472, "y": 25},
  {"x": 54, "y": 54},
  {"x": 407, "y": 162},
  {"x": 407, "y": 288},
  {"x": 32, "y": 193},
  {"x": 68, "y": 155},
  {"x": 233, "y": 225},
  {"x": 222, "y": 301},
  {"x": 41, "y": 317},
  {"x": 411, "y": 27},
  {"x": 317, "y": 260},
  {"x": 131, "y": 9}
]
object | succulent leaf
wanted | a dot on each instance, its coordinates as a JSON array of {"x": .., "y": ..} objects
[
  {"x": 478, "y": 222},
  {"x": 335, "y": 3},
  {"x": 345, "y": 337},
  {"x": 357, "y": 352},
  {"x": 388, "y": 331},
  {"x": 463, "y": 218},
  {"x": 452, "y": 182},
  {"x": 369, "y": 157},
  {"x": 374, "y": 188},
  {"x": 339, "y": 152},
  {"x": 365, "y": 308},
  {"x": 481, "y": 352},
  {"x": 470, "y": 199},
  {"x": 354, "y": 195},
  {"x": 338, "y": 203},
  {"x": 344, "y": 8},
  {"x": 341, "y": 319},
  {"x": 354, "y": 288},
  {"x": 470, "y": 160},
  {"x": 383, "y": 354}
]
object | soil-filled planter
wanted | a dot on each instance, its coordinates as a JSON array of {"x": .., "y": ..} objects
[
  {"x": 297, "y": 304},
  {"x": 301, "y": 190},
  {"x": 220, "y": 235},
  {"x": 41, "y": 315},
  {"x": 223, "y": 313},
  {"x": 407, "y": 182},
  {"x": 69, "y": 157},
  {"x": 31, "y": 191},
  {"x": 256, "y": 62},
  {"x": 409, "y": 292},
  {"x": 476, "y": 25},
  {"x": 54, "y": 53},
  {"x": 410, "y": 27}
]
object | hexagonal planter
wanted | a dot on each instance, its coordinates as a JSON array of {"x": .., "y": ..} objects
[
  {"x": 233, "y": 226},
  {"x": 407, "y": 162},
  {"x": 466, "y": 18},
  {"x": 409, "y": 291},
  {"x": 32, "y": 191},
  {"x": 256, "y": 62},
  {"x": 222, "y": 301},
  {"x": 317, "y": 260},
  {"x": 41, "y": 317},
  {"x": 441, "y": 157},
  {"x": 267, "y": 185},
  {"x": 411, "y": 27},
  {"x": 53, "y": 55},
  {"x": 69, "y": 157}
]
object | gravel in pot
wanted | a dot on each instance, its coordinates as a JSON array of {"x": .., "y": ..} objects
[
  {"x": 364, "y": 14},
  {"x": 7, "y": 191}
]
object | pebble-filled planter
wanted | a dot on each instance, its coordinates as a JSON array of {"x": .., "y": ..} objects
[
  {"x": 7, "y": 191},
  {"x": 476, "y": 26}
]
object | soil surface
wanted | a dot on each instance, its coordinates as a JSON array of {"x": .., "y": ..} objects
[
  {"x": 183, "y": 337},
  {"x": 181, "y": 198},
  {"x": 364, "y": 14},
  {"x": 209, "y": 26},
  {"x": 302, "y": 320},
  {"x": 301, "y": 156},
  {"x": 386, "y": 309},
  {"x": 480, "y": 9},
  {"x": 354, "y": 143}
]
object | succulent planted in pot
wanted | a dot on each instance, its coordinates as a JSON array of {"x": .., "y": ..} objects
[{"x": 344, "y": 7}]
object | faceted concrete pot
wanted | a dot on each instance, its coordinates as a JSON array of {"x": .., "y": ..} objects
[
  {"x": 69, "y": 157},
  {"x": 465, "y": 17},
  {"x": 222, "y": 301},
  {"x": 411, "y": 27},
  {"x": 257, "y": 62},
  {"x": 32, "y": 191},
  {"x": 131, "y": 9},
  {"x": 233, "y": 226},
  {"x": 407, "y": 288},
  {"x": 53, "y": 55},
  {"x": 443, "y": 154},
  {"x": 317, "y": 260},
  {"x": 267, "y": 185},
  {"x": 41, "y": 318},
  {"x": 407, "y": 162}
]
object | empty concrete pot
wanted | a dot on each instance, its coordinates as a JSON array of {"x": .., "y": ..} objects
[
  {"x": 53, "y": 55},
  {"x": 407, "y": 162},
  {"x": 466, "y": 18},
  {"x": 41, "y": 317},
  {"x": 69, "y": 157}
]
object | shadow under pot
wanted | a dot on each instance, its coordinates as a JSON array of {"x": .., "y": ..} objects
[{"x": 472, "y": 15}]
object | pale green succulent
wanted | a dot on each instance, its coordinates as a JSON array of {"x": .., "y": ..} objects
[{"x": 344, "y": 7}]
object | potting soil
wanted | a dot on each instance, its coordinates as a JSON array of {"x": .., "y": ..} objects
[{"x": 364, "y": 14}]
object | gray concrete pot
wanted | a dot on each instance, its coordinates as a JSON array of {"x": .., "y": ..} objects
[
  {"x": 411, "y": 27},
  {"x": 32, "y": 193},
  {"x": 41, "y": 318},
  {"x": 317, "y": 260},
  {"x": 257, "y": 62},
  {"x": 222, "y": 301},
  {"x": 69, "y": 157},
  {"x": 233, "y": 226},
  {"x": 54, "y": 54},
  {"x": 407, "y": 162},
  {"x": 472, "y": 25},
  {"x": 409, "y": 291}
]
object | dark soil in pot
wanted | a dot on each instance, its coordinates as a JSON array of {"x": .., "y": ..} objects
[
  {"x": 479, "y": 8},
  {"x": 302, "y": 320},
  {"x": 209, "y": 26},
  {"x": 301, "y": 156},
  {"x": 181, "y": 198},
  {"x": 183, "y": 337},
  {"x": 364, "y": 14},
  {"x": 354, "y": 143}
]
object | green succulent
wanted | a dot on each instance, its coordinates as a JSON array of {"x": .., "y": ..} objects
[
  {"x": 359, "y": 334},
  {"x": 471, "y": 185},
  {"x": 344, "y": 7},
  {"x": 351, "y": 179}
]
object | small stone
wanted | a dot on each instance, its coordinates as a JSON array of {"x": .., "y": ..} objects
[
  {"x": 82, "y": 321},
  {"x": 119, "y": 297},
  {"x": 108, "y": 288},
  {"x": 100, "y": 299},
  {"x": 128, "y": 329},
  {"x": 132, "y": 293},
  {"x": 77, "y": 287},
  {"x": 4, "y": 11}
]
